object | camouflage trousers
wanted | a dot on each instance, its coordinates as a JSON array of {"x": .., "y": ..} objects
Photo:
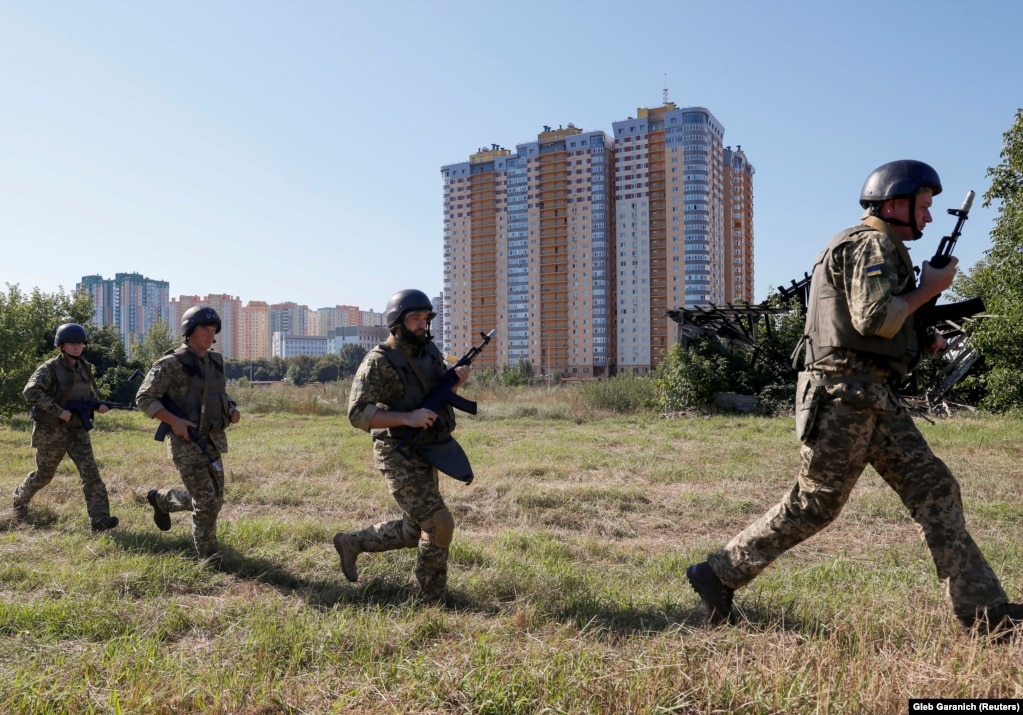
[
  {"x": 198, "y": 496},
  {"x": 846, "y": 438},
  {"x": 51, "y": 444},
  {"x": 416, "y": 489}
]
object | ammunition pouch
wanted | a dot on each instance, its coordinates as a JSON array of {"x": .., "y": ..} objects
[{"x": 808, "y": 399}]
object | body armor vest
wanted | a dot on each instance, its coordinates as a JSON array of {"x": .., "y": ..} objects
[
  {"x": 431, "y": 367},
  {"x": 216, "y": 415},
  {"x": 72, "y": 384},
  {"x": 829, "y": 325}
]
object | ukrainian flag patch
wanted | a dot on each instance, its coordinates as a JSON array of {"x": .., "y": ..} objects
[{"x": 873, "y": 270}]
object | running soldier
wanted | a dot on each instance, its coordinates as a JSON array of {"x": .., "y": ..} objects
[{"x": 57, "y": 432}]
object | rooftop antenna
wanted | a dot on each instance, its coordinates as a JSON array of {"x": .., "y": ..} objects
[{"x": 664, "y": 95}]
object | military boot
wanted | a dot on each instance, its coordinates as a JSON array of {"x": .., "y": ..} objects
[
  {"x": 716, "y": 596},
  {"x": 105, "y": 522},
  {"x": 348, "y": 548},
  {"x": 432, "y": 574},
  {"x": 20, "y": 510},
  {"x": 160, "y": 517},
  {"x": 1001, "y": 622}
]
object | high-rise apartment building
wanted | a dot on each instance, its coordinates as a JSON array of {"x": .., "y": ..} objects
[
  {"x": 254, "y": 335},
  {"x": 739, "y": 226},
  {"x": 340, "y": 316},
  {"x": 371, "y": 318},
  {"x": 289, "y": 318},
  {"x": 528, "y": 241},
  {"x": 229, "y": 309},
  {"x": 130, "y": 301},
  {"x": 178, "y": 306},
  {"x": 577, "y": 245},
  {"x": 437, "y": 326},
  {"x": 669, "y": 204}
]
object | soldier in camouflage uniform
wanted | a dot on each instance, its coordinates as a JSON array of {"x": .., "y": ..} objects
[
  {"x": 187, "y": 390},
  {"x": 860, "y": 340},
  {"x": 392, "y": 380},
  {"x": 56, "y": 431}
]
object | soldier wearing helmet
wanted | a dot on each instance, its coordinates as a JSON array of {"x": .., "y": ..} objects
[
  {"x": 392, "y": 380},
  {"x": 57, "y": 432},
  {"x": 860, "y": 340},
  {"x": 187, "y": 390}
]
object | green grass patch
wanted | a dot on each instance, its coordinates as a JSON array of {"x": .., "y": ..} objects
[{"x": 568, "y": 592}]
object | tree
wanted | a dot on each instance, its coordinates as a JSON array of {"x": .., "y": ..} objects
[
  {"x": 298, "y": 373},
  {"x": 28, "y": 324},
  {"x": 351, "y": 356},
  {"x": 520, "y": 374},
  {"x": 116, "y": 379},
  {"x": 265, "y": 370},
  {"x": 998, "y": 279},
  {"x": 690, "y": 375},
  {"x": 157, "y": 341},
  {"x": 105, "y": 349},
  {"x": 327, "y": 368}
]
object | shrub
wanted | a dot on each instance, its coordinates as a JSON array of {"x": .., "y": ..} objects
[
  {"x": 688, "y": 378},
  {"x": 327, "y": 399},
  {"x": 622, "y": 394}
]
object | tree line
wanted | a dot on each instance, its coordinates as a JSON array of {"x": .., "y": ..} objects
[{"x": 29, "y": 322}]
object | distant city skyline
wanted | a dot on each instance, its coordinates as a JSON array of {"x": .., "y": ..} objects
[{"x": 252, "y": 329}]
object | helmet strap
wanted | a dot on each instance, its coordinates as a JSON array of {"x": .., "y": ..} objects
[
  {"x": 917, "y": 233},
  {"x": 911, "y": 224}
]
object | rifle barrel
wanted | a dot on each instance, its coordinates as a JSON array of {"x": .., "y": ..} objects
[{"x": 967, "y": 203}]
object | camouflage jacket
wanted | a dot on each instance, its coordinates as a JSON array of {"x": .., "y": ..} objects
[
  {"x": 169, "y": 377},
  {"x": 54, "y": 382}
]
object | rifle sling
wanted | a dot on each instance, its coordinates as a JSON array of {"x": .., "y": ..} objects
[{"x": 205, "y": 395}]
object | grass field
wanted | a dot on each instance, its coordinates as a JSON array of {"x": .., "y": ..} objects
[{"x": 566, "y": 576}]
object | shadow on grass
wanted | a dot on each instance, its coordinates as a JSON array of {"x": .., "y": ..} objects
[
  {"x": 758, "y": 616},
  {"x": 584, "y": 607},
  {"x": 326, "y": 593},
  {"x": 37, "y": 519}
]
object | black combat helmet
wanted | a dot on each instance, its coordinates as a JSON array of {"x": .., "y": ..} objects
[
  {"x": 70, "y": 333},
  {"x": 404, "y": 302},
  {"x": 901, "y": 179},
  {"x": 198, "y": 315},
  {"x": 898, "y": 179}
]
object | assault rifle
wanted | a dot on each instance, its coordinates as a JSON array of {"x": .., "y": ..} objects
[
  {"x": 216, "y": 467},
  {"x": 447, "y": 456},
  {"x": 930, "y": 314},
  {"x": 85, "y": 409}
]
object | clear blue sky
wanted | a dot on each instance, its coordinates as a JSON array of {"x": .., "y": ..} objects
[{"x": 291, "y": 150}]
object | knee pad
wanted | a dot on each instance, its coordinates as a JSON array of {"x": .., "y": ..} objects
[{"x": 439, "y": 529}]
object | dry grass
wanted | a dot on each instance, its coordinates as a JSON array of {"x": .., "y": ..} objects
[{"x": 568, "y": 591}]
